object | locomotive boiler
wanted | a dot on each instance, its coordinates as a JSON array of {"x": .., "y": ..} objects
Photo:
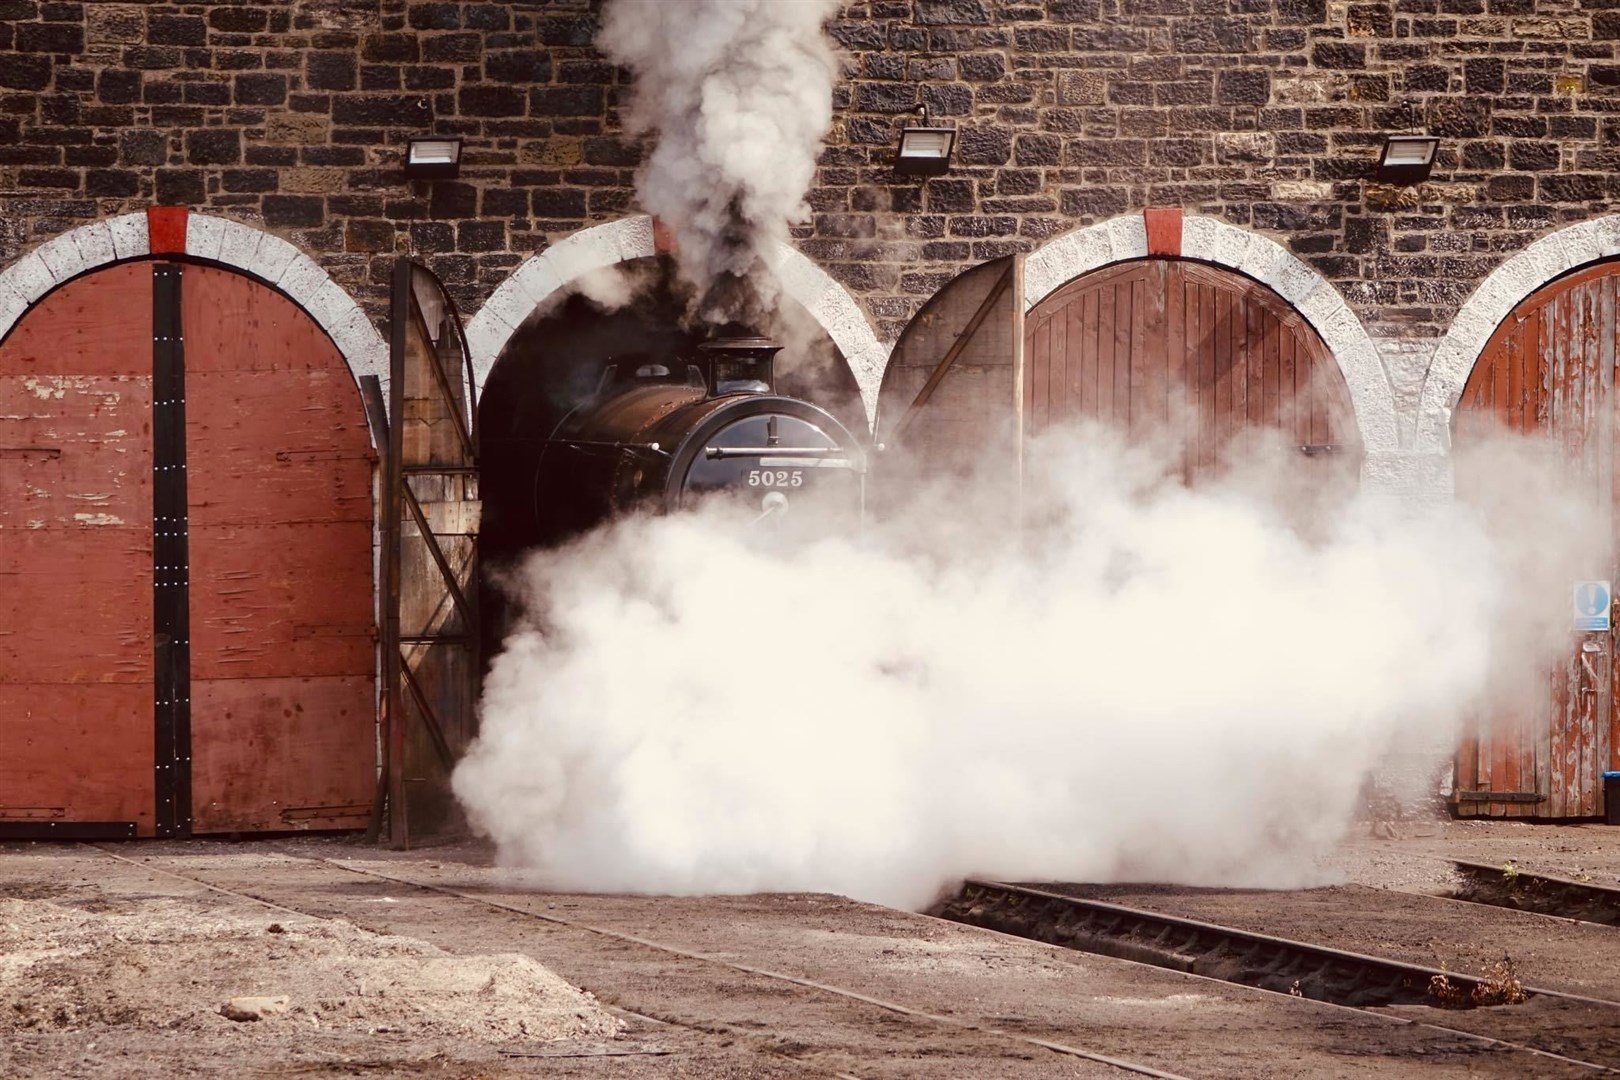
[{"x": 664, "y": 433}]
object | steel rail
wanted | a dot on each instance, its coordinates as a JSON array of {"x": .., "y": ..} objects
[
  {"x": 1538, "y": 893},
  {"x": 1208, "y": 950}
]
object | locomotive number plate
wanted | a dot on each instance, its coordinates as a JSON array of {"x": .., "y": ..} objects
[{"x": 775, "y": 477}]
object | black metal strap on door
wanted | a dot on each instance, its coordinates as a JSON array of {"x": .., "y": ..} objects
[{"x": 171, "y": 615}]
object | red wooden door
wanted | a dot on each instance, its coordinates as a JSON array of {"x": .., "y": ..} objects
[
  {"x": 1549, "y": 369},
  {"x": 282, "y": 632},
  {"x": 1205, "y": 355},
  {"x": 76, "y": 690}
]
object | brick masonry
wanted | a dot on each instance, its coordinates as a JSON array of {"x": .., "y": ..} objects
[{"x": 291, "y": 117}]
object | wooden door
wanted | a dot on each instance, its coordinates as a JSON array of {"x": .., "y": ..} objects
[
  {"x": 432, "y": 511},
  {"x": 1549, "y": 369},
  {"x": 77, "y": 754},
  {"x": 283, "y": 646},
  {"x": 1205, "y": 355}
]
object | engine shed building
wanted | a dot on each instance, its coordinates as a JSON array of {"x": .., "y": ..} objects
[{"x": 1155, "y": 208}]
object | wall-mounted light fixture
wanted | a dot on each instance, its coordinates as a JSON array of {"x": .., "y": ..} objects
[
  {"x": 924, "y": 150},
  {"x": 1406, "y": 159},
  {"x": 433, "y": 158}
]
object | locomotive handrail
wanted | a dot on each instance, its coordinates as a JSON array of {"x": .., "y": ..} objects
[{"x": 775, "y": 451}]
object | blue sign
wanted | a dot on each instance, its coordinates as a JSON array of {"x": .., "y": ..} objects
[{"x": 1592, "y": 599}]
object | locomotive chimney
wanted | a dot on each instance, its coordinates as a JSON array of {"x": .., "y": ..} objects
[{"x": 734, "y": 365}]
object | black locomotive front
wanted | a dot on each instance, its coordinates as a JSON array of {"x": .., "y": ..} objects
[{"x": 662, "y": 436}]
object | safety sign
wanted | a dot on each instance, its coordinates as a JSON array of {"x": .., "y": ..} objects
[{"x": 1592, "y": 605}]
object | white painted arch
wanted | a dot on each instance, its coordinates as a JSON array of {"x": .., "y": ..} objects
[
  {"x": 261, "y": 255},
  {"x": 1550, "y": 257},
  {"x": 613, "y": 242},
  {"x": 1066, "y": 257}
]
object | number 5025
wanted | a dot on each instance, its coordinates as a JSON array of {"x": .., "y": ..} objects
[{"x": 775, "y": 477}]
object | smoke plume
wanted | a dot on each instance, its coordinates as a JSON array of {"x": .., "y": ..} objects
[
  {"x": 1143, "y": 681},
  {"x": 739, "y": 95}
]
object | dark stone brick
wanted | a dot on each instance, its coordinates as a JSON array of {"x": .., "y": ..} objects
[
  {"x": 409, "y": 110},
  {"x": 294, "y": 211},
  {"x": 206, "y": 93},
  {"x": 435, "y": 16},
  {"x": 1520, "y": 127},
  {"x": 1094, "y": 202},
  {"x": 1426, "y": 77},
  {"x": 505, "y": 202},
  {"x": 1484, "y": 76},
  {"x": 491, "y": 101},
  {"x": 25, "y": 72},
  {"x": 1510, "y": 188},
  {"x": 239, "y": 20},
  {"x": 176, "y": 30},
  {"x": 111, "y": 184},
  {"x": 1073, "y": 10},
  {"x": 150, "y": 59},
  {"x": 558, "y": 203},
  {"x": 1459, "y": 118},
  {"x": 391, "y": 48},
  {"x": 346, "y": 156},
  {"x": 272, "y": 156},
  {"x": 260, "y": 89},
  {"x": 453, "y": 200},
  {"x": 950, "y": 196},
  {"x": 239, "y": 181},
  {"x": 481, "y": 236},
  {"x": 951, "y": 12},
  {"x": 1038, "y": 149},
  {"x": 93, "y": 156},
  {"x": 1339, "y": 55},
  {"x": 380, "y": 76},
  {"x": 329, "y": 71},
  {"x": 858, "y": 35},
  {"x": 1204, "y": 34},
  {"x": 947, "y": 99},
  {"x": 18, "y": 9},
  {"x": 429, "y": 78},
  {"x": 579, "y": 30},
  {"x": 566, "y": 101},
  {"x": 983, "y": 145},
  {"x": 453, "y": 48},
  {"x": 368, "y": 236},
  {"x": 1483, "y": 155},
  {"x": 885, "y": 97},
  {"x": 612, "y": 151},
  {"x": 1243, "y": 86},
  {"x": 1573, "y": 187},
  {"x": 143, "y": 146},
  {"x": 1533, "y": 157},
  {"x": 982, "y": 67},
  {"x": 118, "y": 87},
  {"x": 1041, "y": 39},
  {"x": 50, "y": 38},
  {"x": 181, "y": 187},
  {"x": 216, "y": 146},
  {"x": 523, "y": 66},
  {"x": 487, "y": 17}
]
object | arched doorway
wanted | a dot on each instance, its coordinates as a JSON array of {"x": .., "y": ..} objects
[
  {"x": 188, "y": 604},
  {"x": 1549, "y": 370},
  {"x": 1160, "y": 345}
]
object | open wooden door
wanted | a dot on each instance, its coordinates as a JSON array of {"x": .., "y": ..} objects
[
  {"x": 950, "y": 399},
  {"x": 431, "y": 514}
]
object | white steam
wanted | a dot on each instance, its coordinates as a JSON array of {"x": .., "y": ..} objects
[
  {"x": 1144, "y": 681},
  {"x": 739, "y": 94}
]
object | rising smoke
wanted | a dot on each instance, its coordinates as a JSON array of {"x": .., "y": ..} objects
[
  {"x": 739, "y": 94},
  {"x": 1148, "y": 681}
]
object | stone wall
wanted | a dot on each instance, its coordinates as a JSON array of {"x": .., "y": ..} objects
[{"x": 1265, "y": 113}]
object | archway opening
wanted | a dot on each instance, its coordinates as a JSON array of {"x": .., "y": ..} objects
[{"x": 558, "y": 358}]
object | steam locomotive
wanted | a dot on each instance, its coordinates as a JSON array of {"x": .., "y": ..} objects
[{"x": 663, "y": 433}]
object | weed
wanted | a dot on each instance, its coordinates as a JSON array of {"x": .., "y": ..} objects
[{"x": 1499, "y": 985}]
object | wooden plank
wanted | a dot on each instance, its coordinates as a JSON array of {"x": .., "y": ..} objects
[
  {"x": 280, "y": 480},
  {"x": 283, "y": 748},
  {"x": 1123, "y": 315},
  {"x": 1175, "y": 350},
  {"x": 1090, "y": 346},
  {"x": 1062, "y": 402},
  {"x": 76, "y": 560},
  {"x": 1040, "y": 382}
]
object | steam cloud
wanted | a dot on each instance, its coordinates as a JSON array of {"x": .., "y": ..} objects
[
  {"x": 1146, "y": 681},
  {"x": 739, "y": 93}
]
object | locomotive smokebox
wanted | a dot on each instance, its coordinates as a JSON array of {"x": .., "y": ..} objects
[{"x": 663, "y": 435}]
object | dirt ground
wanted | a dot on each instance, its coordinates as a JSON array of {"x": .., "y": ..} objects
[{"x": 116, "y": 960}]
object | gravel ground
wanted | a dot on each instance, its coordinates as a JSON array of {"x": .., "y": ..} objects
[{"x": 111, "y": 965}]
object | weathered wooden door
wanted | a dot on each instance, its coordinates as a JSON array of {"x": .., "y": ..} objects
[
  {"x": 430, "y": 648},
  {"x": 76, "y": 691},
  {"x": 186, "y": 606},
  {"x": 950, "y": 393},
  {"x": 1550, "y": 369},
  {"x": 282, "y": 629},
  {"x": 1172, "y": 347}
]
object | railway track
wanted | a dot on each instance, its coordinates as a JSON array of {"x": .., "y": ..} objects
[
  {"x": 1470, "y": 1005},
  {"x": 1540, "y": 894}
]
